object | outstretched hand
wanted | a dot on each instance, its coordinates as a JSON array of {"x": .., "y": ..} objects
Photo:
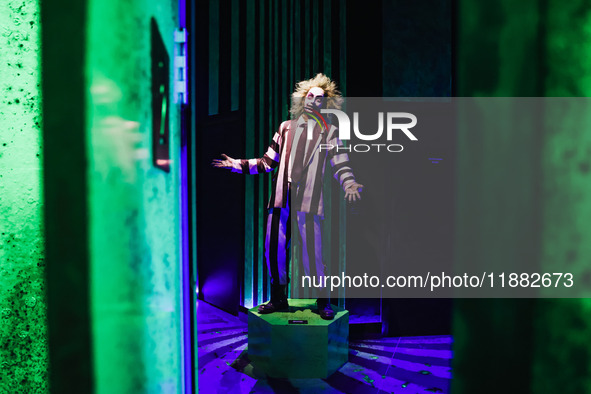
[
  {"x": 225, "y": 163},
  {"x": 352, "y": 192}
]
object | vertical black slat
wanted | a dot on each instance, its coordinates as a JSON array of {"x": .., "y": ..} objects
[
  {"x": 316, "y": 39},
  {"x": 285, "y": 57},
  {"x": 290, "y": 58},
  {"x": 278, "y": 64},
  {"x": 342, "y": 18},
  {"x": 307, "y": 39},
  {"x": 257, "y": 125},
  {"x": 225, "y": 55},
  {"x": 201, "y": 70},
  {"x": 297, "y": 51},
  {"x": 245, "y": 108},
  {"x": 263, "y": 119},
  {"x": 65, "y": 195},
  {"x": 284, "y": 65},
  {"x": 313, "y": 15},
  {"x": 201, "y": 96},
  {"x": 269, "y": 76},
  {"x": 364, "y": 47},
  {"x": 251, "y": 107},
  {"x": 236, "y": 47},
  {"x": 270, "y": 97},
  {"x": 335, "y": 39},
  {"x": 325, "y": 58},
  {"x": 245, "y": 8},
  {"x": 214, "y": 53},
  {"x": 274, "y": 58},
  {"x": 302, "y": 53},
  {"x": 271, "y": 67}
]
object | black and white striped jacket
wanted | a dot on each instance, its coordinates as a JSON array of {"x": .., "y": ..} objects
[{"x": 308, "y": 194}]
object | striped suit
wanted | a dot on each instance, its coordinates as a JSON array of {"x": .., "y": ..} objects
[{"x": 301, "y": 163}]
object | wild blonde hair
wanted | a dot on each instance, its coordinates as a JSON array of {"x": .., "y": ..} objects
[{"x": 332, "y": 96}]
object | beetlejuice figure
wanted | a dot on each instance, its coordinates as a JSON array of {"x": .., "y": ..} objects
[{"x": 295, "y": 153}]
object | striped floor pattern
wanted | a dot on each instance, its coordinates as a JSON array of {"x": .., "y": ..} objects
[{"x": 408, "y": 365}]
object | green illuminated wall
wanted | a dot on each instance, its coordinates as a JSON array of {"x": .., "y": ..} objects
[
  {"x": 111, "y": 219},
  {"x": 536, "y": 187},
  {"x": 134, "y": 207},
  {"x": 23, "y": 328}
]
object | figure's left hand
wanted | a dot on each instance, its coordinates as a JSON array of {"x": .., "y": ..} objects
[{"x": 352, "y": 192}]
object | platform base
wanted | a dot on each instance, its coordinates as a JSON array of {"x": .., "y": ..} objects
[{"x": 287, "y": 350}]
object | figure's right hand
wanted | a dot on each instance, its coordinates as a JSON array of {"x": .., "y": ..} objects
[{"x": 225, "y": 163}]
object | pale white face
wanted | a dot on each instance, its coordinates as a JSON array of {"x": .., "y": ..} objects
[{"x": 313, "y": 99}]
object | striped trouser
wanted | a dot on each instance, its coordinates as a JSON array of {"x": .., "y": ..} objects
[{"x": 277, "y": 242}]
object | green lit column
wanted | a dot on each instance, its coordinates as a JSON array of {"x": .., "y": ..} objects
[
  {"x": 112, "y": 217},
  {"x": 562, "y": 351},
  {"x": 513, "y": 49},
  {"x": 134, "y": 240}
]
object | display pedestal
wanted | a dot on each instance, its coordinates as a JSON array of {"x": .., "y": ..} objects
[{"x": 286, "y": 350}]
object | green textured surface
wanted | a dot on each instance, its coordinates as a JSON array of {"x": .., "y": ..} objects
[
  {"x": 313, "y": 350},
  {"x": 568, "y": 29},
  {"x": 134, "y": 207},
  {"x": 23, "y": 318},
  {"x": 563, "y": 326},
  {"x": 513, "y": 49}
]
